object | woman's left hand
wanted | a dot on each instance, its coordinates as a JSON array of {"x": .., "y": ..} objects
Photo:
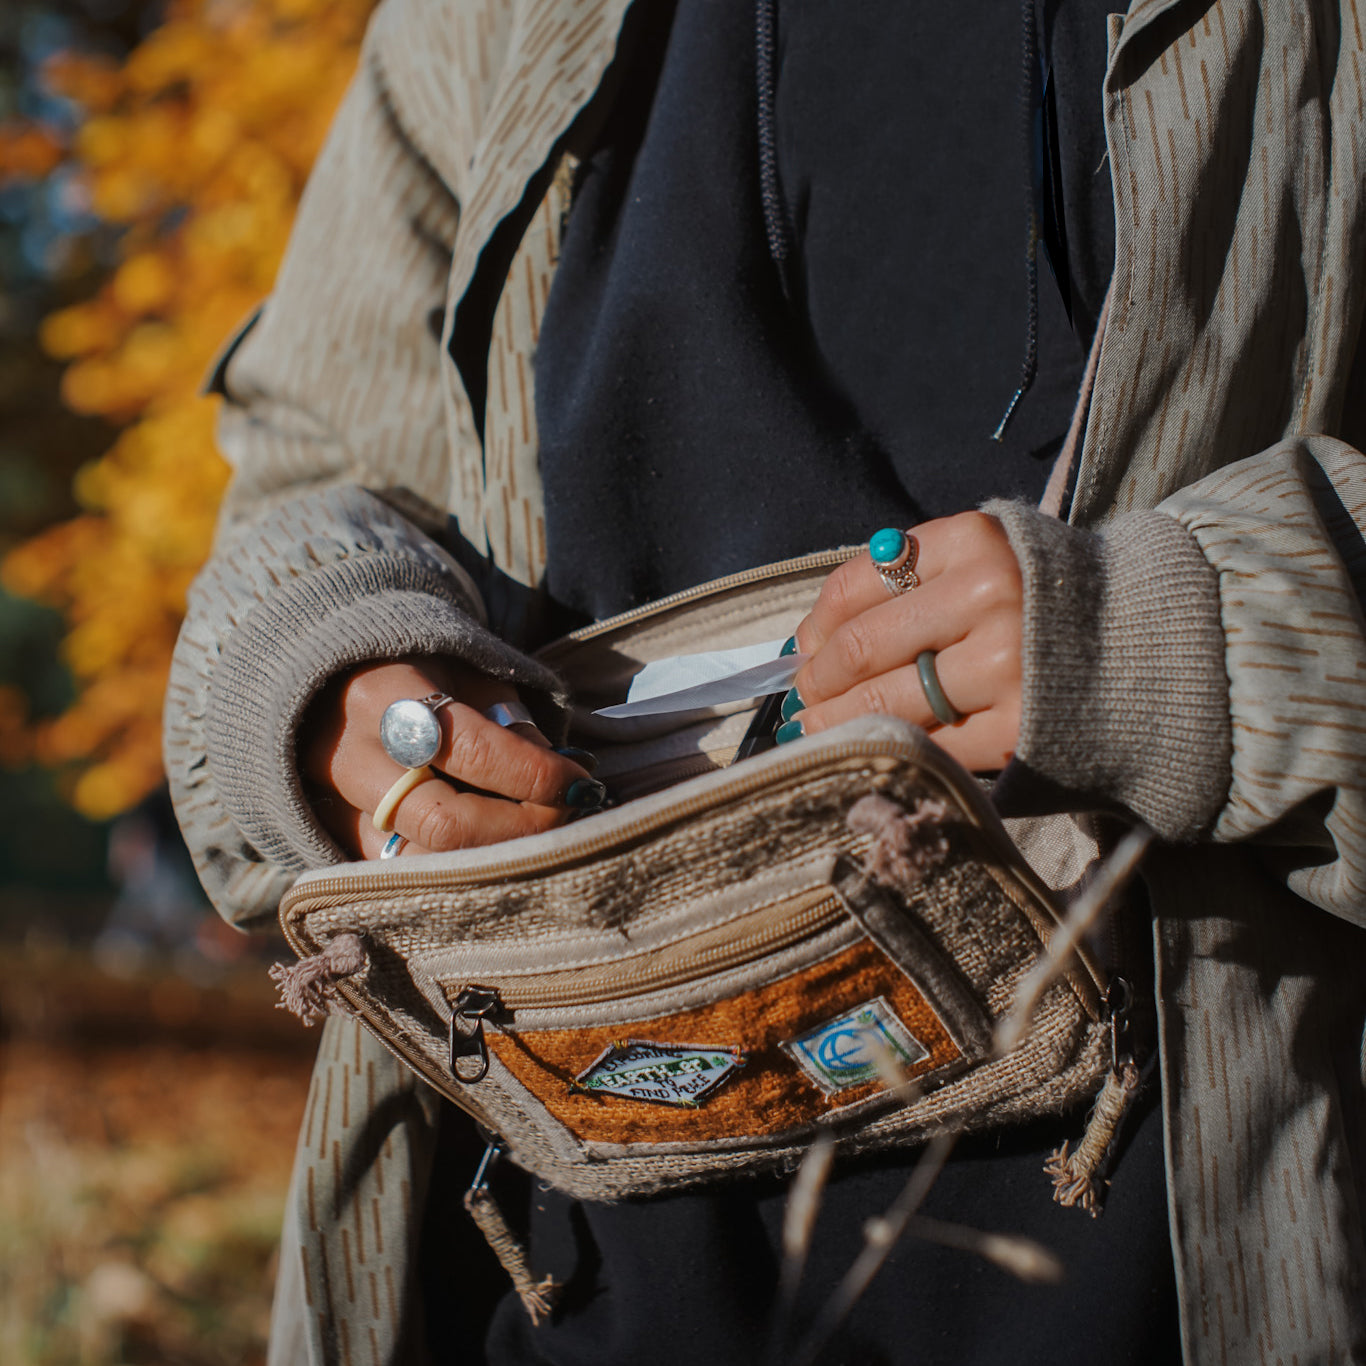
[{"x": 968, "y": 609}]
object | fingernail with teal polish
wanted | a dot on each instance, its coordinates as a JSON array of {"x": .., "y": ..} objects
[
  {"x": 789, "y": 647},
  {"x": 585, "y": 794},
  {"x": 792, "y": 704},
  {"x": 584, "y": 758},
  {"x": 789, "y": 730}
]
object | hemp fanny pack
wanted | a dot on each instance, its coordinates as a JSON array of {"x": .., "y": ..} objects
[{"x": 695, "y": 982}]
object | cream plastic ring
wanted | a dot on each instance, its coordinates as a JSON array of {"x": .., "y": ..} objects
[{"x": 383, "y": 819}]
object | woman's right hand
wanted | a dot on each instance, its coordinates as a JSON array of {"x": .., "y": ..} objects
[{"x": 490, "y": 782}]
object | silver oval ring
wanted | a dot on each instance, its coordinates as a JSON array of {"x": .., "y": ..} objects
[
  {"x": 393, "y": 846},
  {"x": 409, "y": 730}
]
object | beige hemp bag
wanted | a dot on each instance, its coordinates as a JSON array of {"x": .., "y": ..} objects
[{"x": 695, "y": 982}]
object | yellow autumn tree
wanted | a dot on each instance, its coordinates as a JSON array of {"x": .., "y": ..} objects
[{"x": 196, "y": 147}]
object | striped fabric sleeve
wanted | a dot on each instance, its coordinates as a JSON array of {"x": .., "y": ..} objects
[
  {"x": 1203, "y": 665},
  {"x": 315, "y": 586},
  {"x": 1284, "y": 531}
]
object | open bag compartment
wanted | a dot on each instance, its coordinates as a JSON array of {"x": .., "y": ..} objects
[{"x": 670, "y": 990}]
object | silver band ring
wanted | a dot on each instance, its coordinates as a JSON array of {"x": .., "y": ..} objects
[
  {"x": 393, "y": 846},
  {"x": 409, "y": 730},
  {"x": 509, "y": 714},
  {"x": 944, "y": 710}
]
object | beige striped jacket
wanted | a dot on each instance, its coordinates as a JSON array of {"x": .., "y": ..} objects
[{"x": 1226, "y": 409}]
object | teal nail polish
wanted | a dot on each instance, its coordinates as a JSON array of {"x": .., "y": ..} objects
[
  {"x": 789, "y": 730},
  {"x": 585, "y": 794},
  {"x": 792, "y": 704},
  {"x": 789, "y": 647},
  {"x": 584, "y": 758}
]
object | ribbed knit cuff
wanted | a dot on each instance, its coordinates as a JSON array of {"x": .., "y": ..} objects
[
  {"x": 366, "y": 608},
  {"x": 1125, "y": 689}
]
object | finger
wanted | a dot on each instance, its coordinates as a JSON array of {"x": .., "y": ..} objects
[
  {"x": 982, "y": 661},
  {"x": 899, "y": 692},
  {"x": 481, "y": 753},
  {"x": 856, "y": 587},
  {"x": 984, "y": 743},
  {"x": 436, "y": 815},
  {"x": 884, "y": 637},
  {"x": 473, "y": 749},
  {"x": 371, "y": 842}
]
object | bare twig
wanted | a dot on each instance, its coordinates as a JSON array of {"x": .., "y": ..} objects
[
  {"x": 1020, "y": 1257},
  {"x": 1084, "y": 915},
  {"x": 901, "y": 1088},
  {"x": 799, "y": 1221},
  {"x": 881, "y": 1234}
]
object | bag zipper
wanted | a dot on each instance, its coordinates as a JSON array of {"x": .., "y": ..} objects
[{"x": 713, "y": 951}]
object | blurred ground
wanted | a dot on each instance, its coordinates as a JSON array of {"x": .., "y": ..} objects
[{"x": 147, "y": 1124}]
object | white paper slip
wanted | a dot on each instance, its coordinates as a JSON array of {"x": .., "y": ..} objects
[{"x": 692, "y": 682}]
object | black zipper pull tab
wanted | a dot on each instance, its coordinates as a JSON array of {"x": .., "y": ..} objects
[
  {"x": 1119, "y": 997},
  {"x": 472, "y": 1006}
]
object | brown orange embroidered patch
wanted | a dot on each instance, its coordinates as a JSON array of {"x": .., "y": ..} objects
[{"x": 769, "y": 1094}]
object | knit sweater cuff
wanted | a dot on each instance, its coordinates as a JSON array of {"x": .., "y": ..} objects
[
  {"x": 368, "y": 608},
  {"x": 1125, "y": 690}
]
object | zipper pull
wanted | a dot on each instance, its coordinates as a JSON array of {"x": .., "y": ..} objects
[
  {"x": 1079, "y": 1178},
  {"x": 472, "y": 1006},
  {"x": 538, "y": 1297},
  {"x": 493, "y": 1150},
  {"x": 1119, "y": 997}
]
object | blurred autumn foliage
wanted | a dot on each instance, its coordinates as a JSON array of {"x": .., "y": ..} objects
[{"x": 194, "y": 148}]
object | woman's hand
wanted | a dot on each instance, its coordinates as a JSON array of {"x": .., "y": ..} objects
[
  {"x": 969, "y": 609},
  {"x": 496, "y": 782}
]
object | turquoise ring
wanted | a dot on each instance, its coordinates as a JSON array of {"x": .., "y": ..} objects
[{"x": 894, "y": 553}]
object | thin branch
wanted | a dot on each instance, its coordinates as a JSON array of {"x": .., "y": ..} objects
[
  {"x": 799, "y": 1222},
  {"x": 1084, "y": 915},
  {"x": 1020, "y": 1257},
  {"x": 881, "y": 1234}
]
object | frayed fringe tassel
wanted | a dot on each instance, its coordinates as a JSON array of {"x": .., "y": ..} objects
[
  {"x": 1078, "y": 1178},
  {"x": 305, "y": 986},
  {"x": 906, "y": 844},
  {"x": 538, "y": 1297}
]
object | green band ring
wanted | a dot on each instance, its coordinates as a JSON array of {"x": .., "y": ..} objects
[{"x": 944, "y": 710}]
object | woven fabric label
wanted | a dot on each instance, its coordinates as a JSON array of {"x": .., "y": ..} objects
[
  {"x": 843, "y": 1052},
  {"x": 663, "y": 1073}
]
